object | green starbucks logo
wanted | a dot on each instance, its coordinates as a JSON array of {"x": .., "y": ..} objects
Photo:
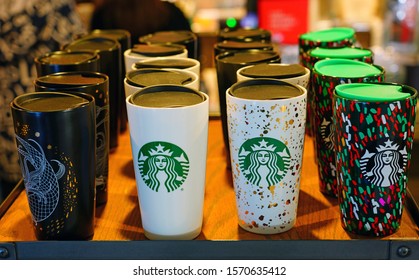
[
  {"x": 163, "y": 164},
  {"x": 264, "y": 161}
]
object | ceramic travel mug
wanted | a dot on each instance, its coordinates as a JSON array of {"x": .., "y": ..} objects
[
  {"x": 169, "y": 127},
  {"x": 374, "y": 140},
  {"x": 320, "y": 53},
  {"x": 66, "y": 61},
  {"x": 58, "y": 165},
  {"x": 124, "y": 39},
  {"x": 227, "y": 65},
  {"x": 141, "y": 78},
  {"x": 327, "y": 38},
  {"x": 97, "y": 85},
  {"x": 291, "y": 73},
  {"x": 109, "y": 51},
  {"x": 327, "y": 74},
  {"x": 266, "y": 123}
]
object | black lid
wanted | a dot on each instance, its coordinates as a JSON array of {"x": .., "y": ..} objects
[
  {"x": 248, "y": 57},
  {"x": 237, "y": 45},
  {"x": 67, "y": 57},
  {"x": 244, "y": 34},
  {"x": 166, "y": 96},
  {"x": 93, "y": 43},
  {"x": 155, "y": 50},
  {"x": 273, "y": 70},
  {"x": 175, "y": 37},
  {"x": 116, "y": 34},
  {"x": 165, "y": 63},
  {"x": 264, "y": 89},
  {"x": 49, "y": 101},
  {"x": 66, "y": 79},
  {"x": 149, "y": 77}
]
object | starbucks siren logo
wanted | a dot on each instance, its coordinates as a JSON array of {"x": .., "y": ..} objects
[
  {"x": 384, "y": 164},
  {"x": 163, "y": 164},
  {"x": 264, "y": 161},
  {"x": 327, "y": 133}
]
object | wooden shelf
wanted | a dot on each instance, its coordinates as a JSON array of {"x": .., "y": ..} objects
[{"x": 119, "y": 219}]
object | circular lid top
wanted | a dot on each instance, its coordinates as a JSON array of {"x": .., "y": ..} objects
[
  {"x": 93, "y": 43},
  {"x": 345, "y": 68},
  {"x": 154, "y": 50},
  {"x": 165, "y": 63},
  {"x": 149, "y": 77},
  {"x": 264, "y": 89},
  {"x": 116, "y": 34},
  {"x": 373, "y": 92},
  {"x": 345, "y": 52},
  {"x": 166, "y": 96},
  {"x": 273, "y": 70},
  {"x": 66, "y": 57},
  {"x": 176, "y": 37},
  {"x": 49, "y": 101},
  {"x": 237, "y": 45},
  {"x": 244, "y": 33},
  {"x": 72, "y": 78},
  {"x": 249, "y": 56},
  {"x": 329, "y": 35}
]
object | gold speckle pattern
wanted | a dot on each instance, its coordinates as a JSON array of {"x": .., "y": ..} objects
[{"x": 262, "y": 207}]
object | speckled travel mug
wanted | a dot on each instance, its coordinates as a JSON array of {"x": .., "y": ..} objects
[
  {"x": 266, "y": 124},
  {"x": 326, "y": 38},
  {"x": 374, "y": 140},
  {"x": 327, "y": 74}
]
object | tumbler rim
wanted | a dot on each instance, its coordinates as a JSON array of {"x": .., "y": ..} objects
[
  {"x": 265, "y": 81},
  {"x": 93, "y": 58},
  {"x": 349, "y": 52},
  {"x": 411, "y": 90},
  {"x": 274, "y": 55},
  {"x": 342, "y": 61},
  {"x": 16, "y": 102},
  {"x": 166, "y": 87},
  {"x": 42, "y": 80},
  {"x": 325, "y": 35},
  {"x": 131, "y": 74}
]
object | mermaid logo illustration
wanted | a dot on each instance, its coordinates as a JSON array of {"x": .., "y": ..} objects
[
  {"x": 327, "y": 134},
  {"x": 384, "y": 167},
  {"x": 264, "y": 161},
  {"x": 41, "y": 181},
  {"x": 163, "y": 164}
]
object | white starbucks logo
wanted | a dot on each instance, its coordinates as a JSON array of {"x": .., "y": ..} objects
[
  {"x": 163, "y": 164},
  {"x": 384, "y": 165},
  {"x": 264, "y": 161}
]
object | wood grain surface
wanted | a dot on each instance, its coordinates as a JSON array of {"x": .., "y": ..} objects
[{"x": 119, "y": 218}]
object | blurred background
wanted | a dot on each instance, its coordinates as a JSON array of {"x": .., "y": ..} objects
[{"x": 388, "y": 27}]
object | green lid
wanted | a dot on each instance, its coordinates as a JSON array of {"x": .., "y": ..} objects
[
  {"x": 329, "y": 35},
  {"x": 345, "y": 52},
  {"x": 372, "y": 92},
  {"x": 345, "y": 68}
]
